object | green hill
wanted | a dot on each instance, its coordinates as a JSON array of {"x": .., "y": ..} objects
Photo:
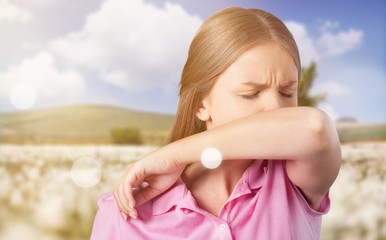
[
  {"x": 80, "y": 124},
  {"x": 91, "y": 124},
  {"x": 356, "y": 132}
]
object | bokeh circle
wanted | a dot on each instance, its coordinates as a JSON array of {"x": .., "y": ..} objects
[
  {"x": 22, "y": 96},
  {"x": 211, "y": 158},
  {"x": 86, "y": 172}
]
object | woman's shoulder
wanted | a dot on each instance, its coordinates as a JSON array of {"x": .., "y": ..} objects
[
  {"x": 108, "y": 206},
  {"x": 105, "y": 200},
  {"x": 107, "y": 220},
  {"x": 109, "y": 223}
]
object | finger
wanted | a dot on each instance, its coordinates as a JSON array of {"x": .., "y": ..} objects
[
  {"x": 134, "y": 179},
  {"x": 125, "y": 205},
  {"x": 120, "y": 199},
  {"x": 132, "y": 182},
  {"x": 123, "y": 211},
  {"x": 127, "y": 188},
  {"x": 122, "y": 193},
  {"x": 145, "y": 194}
]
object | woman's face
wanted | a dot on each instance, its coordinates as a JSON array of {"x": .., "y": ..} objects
[{"x": 261, "y": 79}]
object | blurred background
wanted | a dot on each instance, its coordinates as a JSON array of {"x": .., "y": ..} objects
[{"x": 88, "y": 86}]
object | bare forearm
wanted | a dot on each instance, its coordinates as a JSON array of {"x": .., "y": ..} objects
[
  {"x": 304, "y": 135},
  {"x": 287, "y": 133}
]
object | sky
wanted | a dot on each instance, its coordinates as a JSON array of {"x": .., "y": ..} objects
[{"x": 131, "y": 53}]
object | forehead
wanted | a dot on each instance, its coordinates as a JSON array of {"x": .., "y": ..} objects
[{"x": 261, "y": 63}]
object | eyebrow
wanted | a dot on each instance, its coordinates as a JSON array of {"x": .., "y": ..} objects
[
  {"x": 288, "y": 84},
  {"x": 260, "y": 85}
]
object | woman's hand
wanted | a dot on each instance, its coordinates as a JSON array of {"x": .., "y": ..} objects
[{"x": 145, "y": 179}]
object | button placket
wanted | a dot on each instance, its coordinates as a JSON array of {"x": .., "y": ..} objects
[
  {"x": 224, "y": 231},
  {"x": 187, "y": 211},
  {"x": 228, "y": 206},
  {"x": 223, "y": 227}
]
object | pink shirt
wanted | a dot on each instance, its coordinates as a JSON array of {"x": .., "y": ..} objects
[{"x": 263, "y": 205}]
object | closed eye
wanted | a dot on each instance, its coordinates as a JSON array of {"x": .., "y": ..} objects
[
  {"x": 287, "y": 95},
  {"x": 250, "y": 96}
]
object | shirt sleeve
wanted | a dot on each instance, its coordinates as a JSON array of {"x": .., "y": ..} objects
[
  {"x": 324, "y": 204},
  {"x": 108, "y": 219}
]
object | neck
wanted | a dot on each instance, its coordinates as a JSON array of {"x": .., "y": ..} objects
[{"x": 212, "y": 187}]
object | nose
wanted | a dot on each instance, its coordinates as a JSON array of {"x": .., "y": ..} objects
[{"x": 272, "y": 101}]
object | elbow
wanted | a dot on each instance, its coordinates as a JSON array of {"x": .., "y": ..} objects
[
  {"x": 322, "y": 132},
  {"x": 326, "y": 144}
]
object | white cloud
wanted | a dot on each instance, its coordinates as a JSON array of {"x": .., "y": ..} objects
[
  {"x": 307, "y": 49},
  {"x": 329, "y": 25},
  {"x": 332, "y": 88},
  {"x": 341, "y": 42},
  {"x": 40, "y": 73},
  {"x": 328, "y": 44},
  {"x": 12, "y": 13},
  {"x": 133, "y": 45}
]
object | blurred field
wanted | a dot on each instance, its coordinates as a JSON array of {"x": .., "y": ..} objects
[
  {"x": 38, "y": 197},
  {"x": 80, "y": 124},
  {"x": 357, "y": 132},
  {"x": 40, "y": 200},
  {"x": 358, "y": 197}
]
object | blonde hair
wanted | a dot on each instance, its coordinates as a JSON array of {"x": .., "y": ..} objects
[{"x": 220, "y": 40}]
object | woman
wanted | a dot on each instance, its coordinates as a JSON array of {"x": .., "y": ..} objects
[{"x": 238, "y": 95}]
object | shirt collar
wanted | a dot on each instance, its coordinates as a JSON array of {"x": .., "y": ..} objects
[
  {"x": 254, "y": 175},
  {"x": 169, "y": 199},
  {"x": 179, "y": 196}
]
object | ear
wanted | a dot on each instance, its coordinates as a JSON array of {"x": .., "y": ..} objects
[{"x": 203, "y": 112}]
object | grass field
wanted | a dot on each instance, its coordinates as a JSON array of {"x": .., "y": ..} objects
[
  {"x": 361, "y": 132},
  {"x": 80, "y": 124},
  {"x": 41, "y": 199}
]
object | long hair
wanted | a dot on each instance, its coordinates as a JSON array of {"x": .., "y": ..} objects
[{"x": 220, "y": 40}]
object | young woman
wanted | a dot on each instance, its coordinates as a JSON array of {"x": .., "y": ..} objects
[{"x": 238, "y": 95}]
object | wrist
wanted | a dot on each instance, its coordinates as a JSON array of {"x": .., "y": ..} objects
[
  {"x": 181, "y": 152},
  {"x": 171, "y": 154}
]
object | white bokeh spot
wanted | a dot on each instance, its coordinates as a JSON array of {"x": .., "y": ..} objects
[
  {"x": 22, "y": 96},
  {"x": 211, "y": 158},
  {"x": 86, "y": 172}
]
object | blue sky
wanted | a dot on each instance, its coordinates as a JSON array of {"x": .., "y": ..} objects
[{"x": 131, "y": 53}]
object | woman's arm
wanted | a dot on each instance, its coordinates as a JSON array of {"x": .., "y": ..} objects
[{"x": 305, "y": 136}]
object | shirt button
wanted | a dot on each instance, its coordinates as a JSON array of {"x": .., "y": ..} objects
[
  {"x": 228, "y": 206},
  {"x": 187, "y": 211},
  {"x": 223, "y": 227}
]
